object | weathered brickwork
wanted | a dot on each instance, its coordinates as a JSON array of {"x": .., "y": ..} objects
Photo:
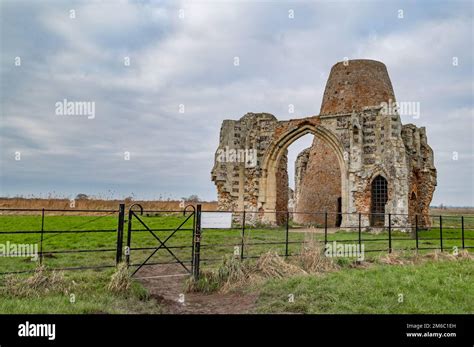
[
  {"x": 319, "y": 186},
  {"x": 355, "y": 141},
  {"x": 354, "y": 85}
]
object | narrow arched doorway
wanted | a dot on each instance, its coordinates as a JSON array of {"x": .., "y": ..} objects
[{"x": 379, "y": 197}]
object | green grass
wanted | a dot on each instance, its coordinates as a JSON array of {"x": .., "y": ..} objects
[
  {"x": 90, "y": 292},
  {"x": 431, "y": 287},
  {"x": 428, "y": 288}
]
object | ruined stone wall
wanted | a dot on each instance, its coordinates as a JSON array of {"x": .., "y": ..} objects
[
  {"x": 364, "y": 140},
  {"x": 237, "y": 181},
  {"x": 422, "y": 175},
  {"x": 301, "y": 164},
  {"x": 372, "y": 145},
  {"x": 377, "y": 149}
]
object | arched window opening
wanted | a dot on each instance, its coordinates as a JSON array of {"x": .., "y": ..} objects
[
  {"x": 379, "y": 198},
  {"x": 355, "y": 133}
]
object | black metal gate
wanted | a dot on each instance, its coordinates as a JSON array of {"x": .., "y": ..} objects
[{"x": 158, "y": 250}]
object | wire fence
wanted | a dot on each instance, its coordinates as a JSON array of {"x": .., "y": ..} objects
[
  {"x": 61, "y": 239},
  {"x": 70, "y": 239},
  {"x": 251, "y": 239}
]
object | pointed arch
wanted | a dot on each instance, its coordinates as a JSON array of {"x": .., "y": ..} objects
[{"x": 268, "y": 183}]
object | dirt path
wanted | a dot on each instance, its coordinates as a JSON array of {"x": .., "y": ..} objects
[{"x": 169, "y": 292}]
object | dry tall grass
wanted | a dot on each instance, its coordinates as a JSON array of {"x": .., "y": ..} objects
[
  {"x": 410, "y": 258},
  {"x": 95, "y": 204},
  {"x": 234, "y": 274},
  {"x": 121, "y": 280},
  {"x": 312, "y": 259},
  {"x": 271, "y": 265},
  {"x": 40, "y": 282}
]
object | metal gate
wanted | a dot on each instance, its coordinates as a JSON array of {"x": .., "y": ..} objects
[{"x": 167, "y": 245}]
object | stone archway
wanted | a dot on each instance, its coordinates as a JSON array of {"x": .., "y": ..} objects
[{"x": 288, "y": 133}]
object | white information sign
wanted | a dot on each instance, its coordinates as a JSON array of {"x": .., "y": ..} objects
[{"x": 216, "y": 220}]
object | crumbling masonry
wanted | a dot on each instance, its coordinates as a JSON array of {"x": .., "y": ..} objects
[{"x": 362, "y": 160}]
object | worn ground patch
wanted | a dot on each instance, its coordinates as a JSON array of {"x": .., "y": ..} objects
[{"x": 167, "y": 288}]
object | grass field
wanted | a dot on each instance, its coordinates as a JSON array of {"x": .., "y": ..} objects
[
  {"x": 432, "y": 287},
  {"x": 348, "y": 290}
]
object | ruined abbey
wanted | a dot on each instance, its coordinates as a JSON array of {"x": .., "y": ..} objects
[{"x": 362, "y": 159}]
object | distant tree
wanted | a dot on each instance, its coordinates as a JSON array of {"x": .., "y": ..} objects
[
  {"x": 192, "y": 198},
  {"x": 81, "y": 197}
]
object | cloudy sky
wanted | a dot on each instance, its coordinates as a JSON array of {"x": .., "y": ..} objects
[{"x": 181, "y": 56}]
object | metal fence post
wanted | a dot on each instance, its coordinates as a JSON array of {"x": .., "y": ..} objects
[
  {"x": 287, "y": 232},
  {"x": 360, "y": 230},
  {"x": 192, "y": 237},
  {"x": 441, "y": 232},
  {"x": 243, "y": 236},
  {"x": 416, "y": 230},
  {"x": 41, "y": 240},
  {"x": 462, "y": 231},
  {"x": 129, "y": 237},
  {"x": 325, "y": 228},
  {"x": 121, "y": 218},
  {"x": 389, "y": 233},
  {"x": 197, "y": 244}
]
